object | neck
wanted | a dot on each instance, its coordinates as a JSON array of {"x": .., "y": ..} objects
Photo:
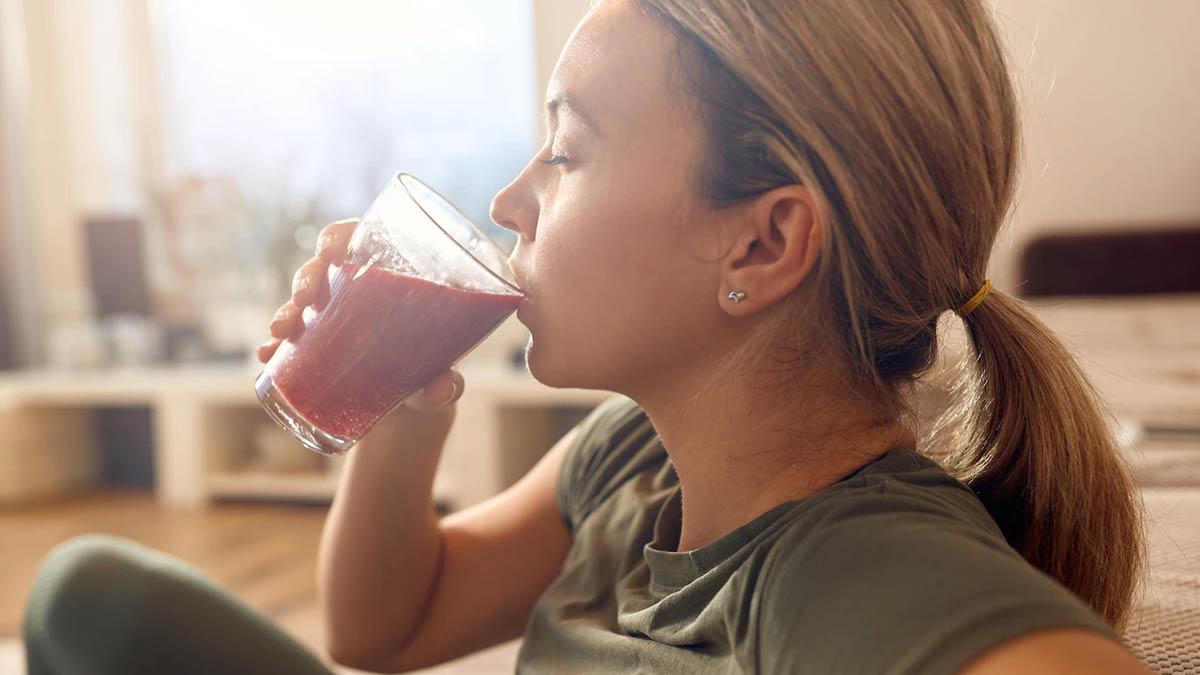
[{"x": 740, "y": 450}]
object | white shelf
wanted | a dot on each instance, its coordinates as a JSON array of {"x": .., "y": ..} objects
[
  {"x": 205, "y": 417},
  {"x": 235, "y": 385}
]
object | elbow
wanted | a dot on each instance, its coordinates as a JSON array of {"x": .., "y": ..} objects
[
  {"x": 355, "y": 649},
  {"x": 357, "y": 641},
  {"x": 388, "y": 658},
  {"x": 370, "y": 662}
]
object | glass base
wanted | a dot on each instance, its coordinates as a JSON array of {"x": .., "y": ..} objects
[{"x": 276, "y": 405}]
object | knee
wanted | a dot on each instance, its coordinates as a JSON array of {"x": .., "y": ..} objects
[{"x": 83, "y": 585}]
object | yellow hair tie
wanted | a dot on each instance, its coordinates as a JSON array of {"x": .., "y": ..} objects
[{"x": 976, "y": 300}]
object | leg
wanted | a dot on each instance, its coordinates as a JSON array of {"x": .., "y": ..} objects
[{"x": 102, "y": 605}]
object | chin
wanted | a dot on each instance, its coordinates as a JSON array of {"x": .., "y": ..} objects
[
  {"x": 543, "y": 369},
  {"x": 559, "y": 373},
  {"x": 536, "y": 366}
]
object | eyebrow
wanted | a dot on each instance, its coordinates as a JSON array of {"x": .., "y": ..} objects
[{"x": 567, "y": 102}]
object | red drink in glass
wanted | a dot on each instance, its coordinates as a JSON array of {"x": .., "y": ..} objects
[
  {"x": 422, "y": 288},
  {"x": 403, "y": 331}
]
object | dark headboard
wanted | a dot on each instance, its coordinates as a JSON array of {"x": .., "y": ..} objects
[{"x": 1113, "y": 261}]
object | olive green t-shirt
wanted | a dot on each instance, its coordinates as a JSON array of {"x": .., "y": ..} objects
[{"x": 897, "y": 568}]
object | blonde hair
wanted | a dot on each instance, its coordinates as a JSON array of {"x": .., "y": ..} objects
[{"x": 901, "y": 116}]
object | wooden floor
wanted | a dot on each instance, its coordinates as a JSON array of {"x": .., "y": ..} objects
[{"x": 263, "y": 554}]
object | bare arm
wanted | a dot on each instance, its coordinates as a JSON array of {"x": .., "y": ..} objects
[
  {"x": 381, "y": 544},
  {"x": 398, "y": 588},
  {"x": 498, "y": 557},
  {"x": 415, "y": 592}
]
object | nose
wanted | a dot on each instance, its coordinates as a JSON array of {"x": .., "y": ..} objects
[{"x": 515, "y": 208}]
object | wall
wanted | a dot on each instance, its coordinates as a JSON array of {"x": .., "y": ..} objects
[
  {"x": 553, "y": 22},
  {"x": 1111, "y": 104}
]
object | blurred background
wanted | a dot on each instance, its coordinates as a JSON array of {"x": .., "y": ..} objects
[{"x": 166, "y": 164}]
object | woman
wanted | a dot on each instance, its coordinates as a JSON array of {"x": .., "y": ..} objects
[{"x": 747, "y": 219}]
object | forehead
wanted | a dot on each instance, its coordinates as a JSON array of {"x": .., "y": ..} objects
[{"x": 616, "y": 66}]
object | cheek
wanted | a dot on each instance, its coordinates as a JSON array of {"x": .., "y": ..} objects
[
  {"x": 618, "y": 280},
  {"x": 599, "y": 253},
  {"x": 617, "y": 286},
  {"x": 589, "y": 279}
]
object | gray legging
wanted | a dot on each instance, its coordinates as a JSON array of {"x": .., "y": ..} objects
[{"x": 102, "y": 605}]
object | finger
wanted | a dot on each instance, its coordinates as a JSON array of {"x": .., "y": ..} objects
[
  {"x": 310, "y": 282},
  {"x": 321, "y": 294},
  {"x": 286, "y": 323},
  {"x": 334, "y": 240},
  {"x": 441, "y": 392},
  {"x": 267, "y": 349}
]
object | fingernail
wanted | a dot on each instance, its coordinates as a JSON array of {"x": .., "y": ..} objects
[
  {"x": 301, "y": 285},
  {"x": 326, "y": 242},
  {"x": 453, "y": 393},
  {"x": 280, "y": 316}
]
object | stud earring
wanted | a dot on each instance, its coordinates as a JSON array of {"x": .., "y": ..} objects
[{"x": 737, "y": 296}]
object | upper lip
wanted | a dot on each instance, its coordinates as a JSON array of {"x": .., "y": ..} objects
[{"x": 519, "y": 276}]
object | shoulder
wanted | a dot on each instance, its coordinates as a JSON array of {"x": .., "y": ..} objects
[
  {"x": 615, "y": 442},
  {"x": 900, "y": 570},
  {"x": 1058, "y": 652}
]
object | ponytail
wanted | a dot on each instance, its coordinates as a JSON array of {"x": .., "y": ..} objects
[{"x": 1042, "y": 457}]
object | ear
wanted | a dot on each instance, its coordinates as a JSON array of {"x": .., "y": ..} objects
[{"x": 779, "y": 239}]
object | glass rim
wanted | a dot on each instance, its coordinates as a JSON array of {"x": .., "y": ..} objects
[{"x": 401, "y": 177}]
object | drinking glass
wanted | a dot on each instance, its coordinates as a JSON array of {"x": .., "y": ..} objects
[{"x": 421, "y": 287}]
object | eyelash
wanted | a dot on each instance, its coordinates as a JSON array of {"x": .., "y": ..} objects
[{"x": 555, "y": 159}]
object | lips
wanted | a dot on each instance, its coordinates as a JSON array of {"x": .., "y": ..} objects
[
  {"x": 522, "y": 308},
  {"x": 519, "y": 277}
]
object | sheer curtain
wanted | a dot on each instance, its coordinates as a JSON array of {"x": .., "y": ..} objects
[{"x": 20, "y": 326}]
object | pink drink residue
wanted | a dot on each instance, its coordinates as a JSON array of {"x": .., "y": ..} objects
[{"x": 381, "y": 337}]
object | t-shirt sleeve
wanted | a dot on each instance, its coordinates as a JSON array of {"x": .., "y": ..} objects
[
  {"x": 899, "y": 592},
  {"x": 603, "y": 454}
]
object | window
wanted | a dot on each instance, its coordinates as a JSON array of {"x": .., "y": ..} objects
[{"x": 320, "y": 103}]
